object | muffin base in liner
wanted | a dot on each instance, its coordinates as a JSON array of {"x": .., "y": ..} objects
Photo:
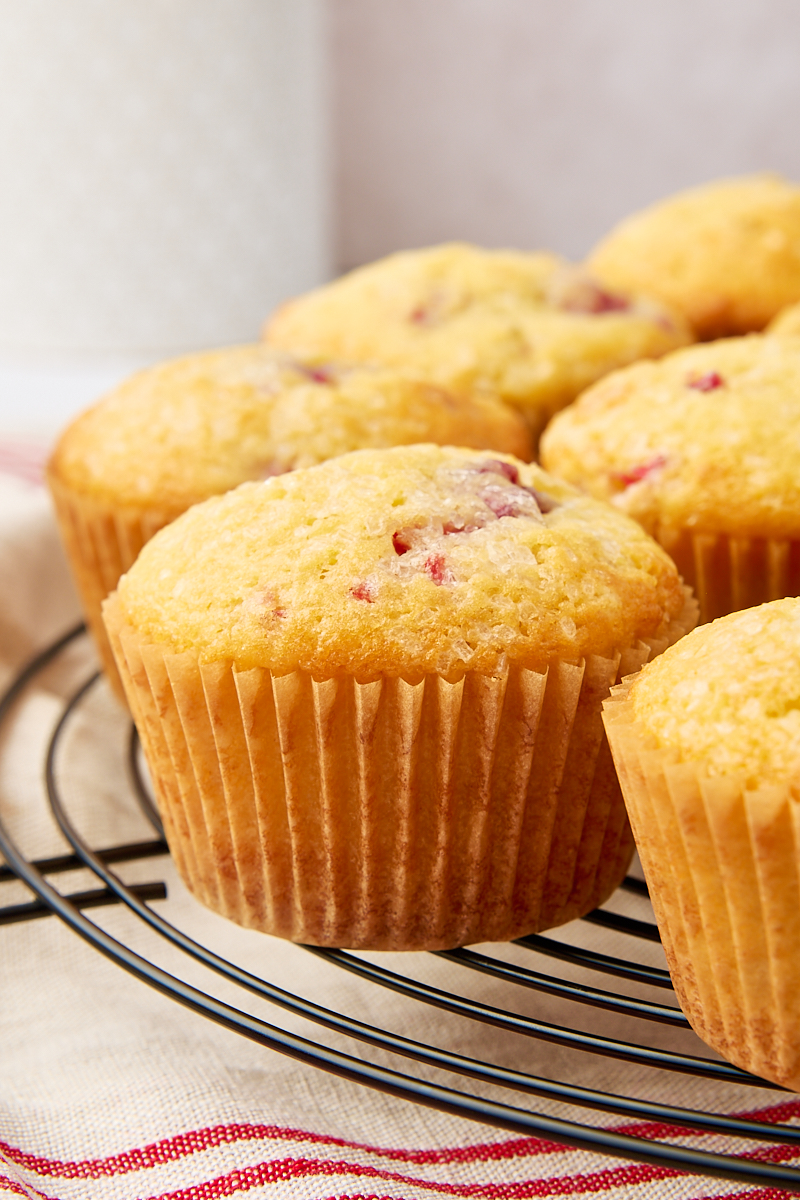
[
  {"x": 722, "y": 863},
  {"x": 101, "y": 544},
  {"x": 729, "y": 573},
  {"x": 385, "y": 814}
]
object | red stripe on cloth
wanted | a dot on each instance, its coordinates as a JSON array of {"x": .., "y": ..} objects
[
  {"x": 25, "y": 460},
  {"x": 773, "y": 1115},
  {"x": 765, "y": 1193},
  {"x": 195, "y": 1141},
  {"x": 18, "y": 1189},
  {"x": 288, "y": 1169},
  {"x": 775, "y": 1112},
  {"x": 10, "y": 1185},
  {"x": 360, "y": 1196},
  {"x": 285, "y": 1170}
]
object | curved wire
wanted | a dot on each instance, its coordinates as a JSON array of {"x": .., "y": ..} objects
[{"x": 503, "y": 1116}]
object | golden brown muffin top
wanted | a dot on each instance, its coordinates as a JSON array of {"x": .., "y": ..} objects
[
  {"x": 528, "y": 327},
  {"x": 726, "y": 255},
  {"x": 706, "y": 438},
  {"x": 403, "y": 561},
  {"x": 183, "y": 430},
  {"x": 727, "y": 696},
  {"x": 786, "y": 322}
]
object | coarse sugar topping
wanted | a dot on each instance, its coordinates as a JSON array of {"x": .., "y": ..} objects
[
  {"x": 529, "y": 327},
  {"x": 402, "y": 561},
  {"x": 708, "y": 437},
  {"x": 727, "y": 696},
  {"x": 196, "y": 426}
]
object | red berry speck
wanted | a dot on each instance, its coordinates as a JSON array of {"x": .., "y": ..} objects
[
  {"x": 315, "y": 374},
  {"x": 501, "y": 503},
  {"x": 436, "y": 570},
  {"x": 363, "y": 591},
  {"x": 604, "y": 301},
  {"x": 637, "y": 474},
  {"x": 401, "y": 542},
  {"x": 708, "y": 382},
  {"x": 496, "y": 466},
  {"x": 593, "y": 299}
]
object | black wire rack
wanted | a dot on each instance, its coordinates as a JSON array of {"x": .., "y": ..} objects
[{"x": 638, "y": 1127}]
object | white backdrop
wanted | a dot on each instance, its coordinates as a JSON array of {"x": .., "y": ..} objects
[
  {"x": 541, "y": 122},
  {"x": 165, "y": 182},
  {"x": 171, "y": 169}
]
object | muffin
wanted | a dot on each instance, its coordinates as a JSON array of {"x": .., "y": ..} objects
[
  {"x": 527, "y": 327},
  {"x": 786, "y": 323},
  {"x": 726, "y": 255},
  {"x": 703, "y": 449},
  {"x": 197, "y": 426},
  {"x": 707, "y": 743},
  {"x": 369, "y": 695}
]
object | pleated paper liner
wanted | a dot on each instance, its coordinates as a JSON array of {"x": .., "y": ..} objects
[
  {"x": 387, "y": 814},
  {"x": 721, "y": 863},
  {"x": 101, "y": 543},
  {"x": 728, "y": 573}
]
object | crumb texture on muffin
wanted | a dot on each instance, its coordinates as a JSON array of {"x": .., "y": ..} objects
[
  {"x": 706, "y": 742},
  {"x": 197, "y": 426},
  {"x": 727, "y": 696},
  {"x": 726, "y": 255},
  {"x": 528, "y": 327},
  {"x": 706, "y": 438},
  {"x": 786, "y": 323},
  {"x": 408, "y": 560}
]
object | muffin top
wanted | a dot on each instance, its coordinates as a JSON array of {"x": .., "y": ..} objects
[
  {"x": 528, "y": 327},
  {"x": 403, "y": 561},
  {"x": 786, "y": 322},
  {"x": 726, "y": 255},
  {"x": 709, "y": 437},
  {"x": 176, "y": 433},
  {"x": 727, "y": 696}
]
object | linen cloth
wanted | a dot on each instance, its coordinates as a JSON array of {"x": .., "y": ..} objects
[{"x": 110, "y": 1090}]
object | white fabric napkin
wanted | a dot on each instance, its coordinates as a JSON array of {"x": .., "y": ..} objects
[{"x": 109, "y": 1089}]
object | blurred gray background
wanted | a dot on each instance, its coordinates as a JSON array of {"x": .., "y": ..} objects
[
  {"x": 172, "y": 169},
  {"x": 542, "y": 122}
]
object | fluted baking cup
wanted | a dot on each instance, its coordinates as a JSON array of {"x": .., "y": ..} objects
[
  {"x": 729, "y": 573},
  {"x": 722, "y": 865},
  {"x": 386, "y": 814},
  {"x": 101, "y": 543}
]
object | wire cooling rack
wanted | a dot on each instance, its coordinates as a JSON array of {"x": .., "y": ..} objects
[{"x": 586, "y": 980}]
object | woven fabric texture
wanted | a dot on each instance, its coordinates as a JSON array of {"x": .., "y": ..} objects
[{"x": 110, "y": 1090}]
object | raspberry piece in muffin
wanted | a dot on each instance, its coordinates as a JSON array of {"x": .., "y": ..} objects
[
  {"x": 195, "y": 427},
  {"x": 702, "y": 449},
  {"x": 527, "y": 327},
  {"x": 726, "y": 255},
  {"x": 412, "y": 756}
]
